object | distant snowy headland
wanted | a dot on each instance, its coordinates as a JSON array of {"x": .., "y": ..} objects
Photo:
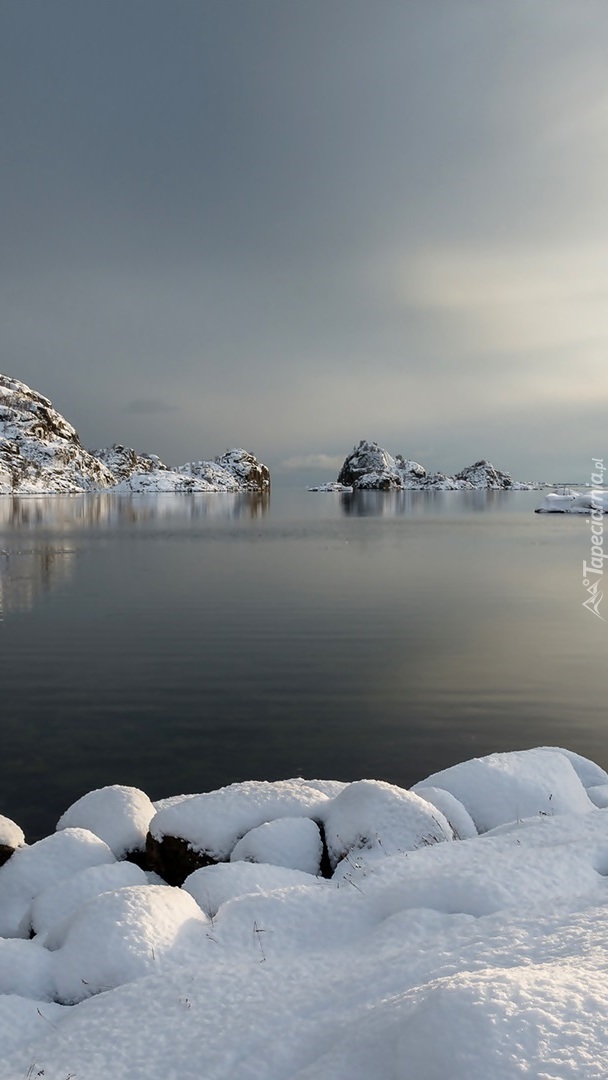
[
  {"x": 369, "y": 467},
  {"x": 40, "y": 454},
  {"x": 301, "y": 929}
]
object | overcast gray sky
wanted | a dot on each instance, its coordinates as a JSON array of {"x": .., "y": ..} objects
[{"x": 292, "y": 224}]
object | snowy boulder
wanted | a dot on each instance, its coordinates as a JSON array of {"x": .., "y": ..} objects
[
  {"x": 373, "y": 815},
  {"x": 291, "y": 842},
  {"x": 204, "y": 829},
  {"x": 120, "y": 936},
  {"x": 11, "y": 838},
  {"x": 212, "y": 886},
  {"x": 32, "y": 869},
  {"x": 117, "y": 814},
  {"x": 459, "y": 819},
  {"x": 61, "y": 900},
  {"x": 502, "y": 788}
]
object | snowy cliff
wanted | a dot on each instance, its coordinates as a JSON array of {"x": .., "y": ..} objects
[{"x": 41, "y": 453}]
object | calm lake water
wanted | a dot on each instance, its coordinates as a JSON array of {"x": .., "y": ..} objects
[{"x": 179, "y": 643}]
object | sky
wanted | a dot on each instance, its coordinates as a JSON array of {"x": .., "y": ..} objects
[{"x": 292, "y": 224}]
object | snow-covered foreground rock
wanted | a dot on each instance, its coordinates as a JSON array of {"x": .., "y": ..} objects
[
  {"x": 571, "y": 502},
  {"x": 369, "y": 467},
  {"x": 41, "y": 454},
  {"x": 421, "y": 956}
]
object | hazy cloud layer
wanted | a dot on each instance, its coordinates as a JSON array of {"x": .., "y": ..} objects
[{"x": 294, "y": 225}]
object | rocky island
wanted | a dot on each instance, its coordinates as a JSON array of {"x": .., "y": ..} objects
[
  {"x": 370, "y": 467},
  {"x": 41, "y": 454}
]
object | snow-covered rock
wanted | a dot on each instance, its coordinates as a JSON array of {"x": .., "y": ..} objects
[
  {"x": 40, "y": 454},
  {"x": 212, "y": 886},
  {"x": 503, "y": 788},
  {"x": 370, "y": 467},
  {"x": 119, "y": 815},
  {"x": 291, "y": 842},
  {"x": 205, "y": 828},
  {"x": 371, "y": 815},
  {"x": 59, "y": 901},
  {"x": 124, "y": 461},
  {"x": 571, "y": 502},
  {"x": 32, "y": 869},
  {"x": 482, "y": 474},
  {"x": 11, "y": 838},
  {"x": 465, "y": 960},
  {"x": 122, "y": 935}
]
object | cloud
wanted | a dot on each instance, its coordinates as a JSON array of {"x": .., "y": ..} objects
[
  {"x": 149, "y": 406},
  {"x": 313, "y": 461}
]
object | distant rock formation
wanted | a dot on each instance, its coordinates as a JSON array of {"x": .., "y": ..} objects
[
  {"x": 40, "y": 454},
  {"x": 370, "y": 467}
]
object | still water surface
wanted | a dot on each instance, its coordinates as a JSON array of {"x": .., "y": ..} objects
[{"x": 179, "y": 643}]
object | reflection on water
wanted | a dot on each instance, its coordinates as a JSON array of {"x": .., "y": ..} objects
[
  {"x": 76, "y": 511},
  {"x": 25, "y": 575},
  {"x": 394, "y": 503}
]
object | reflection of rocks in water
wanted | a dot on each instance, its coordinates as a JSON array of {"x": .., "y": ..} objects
[
  {"x": 390, "y": 503},
  {"x": 101, "y": 510},
  {"x": 25, "y": 575}
]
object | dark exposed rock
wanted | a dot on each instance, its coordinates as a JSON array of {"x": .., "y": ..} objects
[
  {"x": 174, "y": 859},
  {"x": 5, "y": 853}
]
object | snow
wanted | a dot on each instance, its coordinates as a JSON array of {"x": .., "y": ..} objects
[
  {"x": 57, "y": 902},
  {"x": 120, "y": 936},
  {"x": 447, "y": 960},
  {"x": 212, "y": 886},
  {"x": 214, "y": 822},
  {"x": 11, "y": 834},
  {"x": 571, "y": 502},
  {"x": 375, "y": 816},
  {"x": 505, "y": 787},
  {"x": 32, "y": 869},
  {"x": 371, "y": 467},
  {"x": 291, "y": 842},
  {"x": 40, "y": 453},
  {"x": 117, "y": 814}
]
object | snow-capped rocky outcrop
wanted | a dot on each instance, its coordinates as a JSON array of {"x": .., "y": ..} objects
[
  {"x": 40, "y": 454},
  {"x": 371, "y": 467},
  {"x": 40, "y": 451}
]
